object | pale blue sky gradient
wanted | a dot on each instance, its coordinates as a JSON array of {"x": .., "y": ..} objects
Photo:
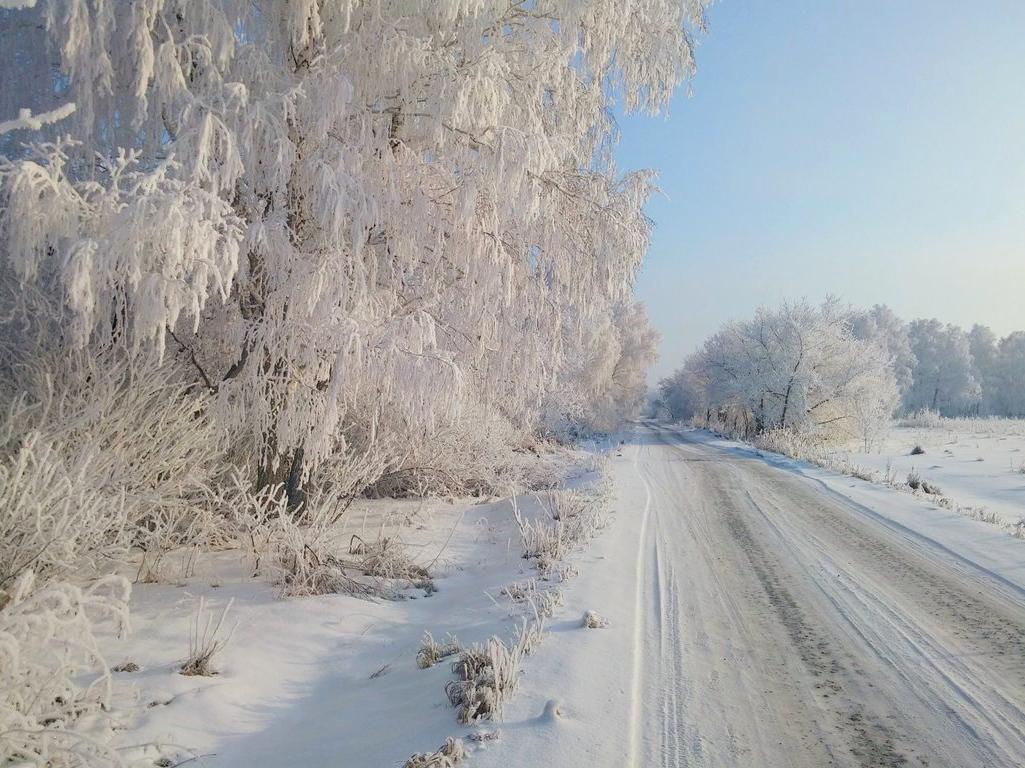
[{"x": 872, "y": 149}]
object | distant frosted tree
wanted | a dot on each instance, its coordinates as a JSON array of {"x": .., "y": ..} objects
[
  {"x": 943, "y": 378},
  {"x": 1010, "y": 375},
  {"x": 982, "y": 343},
  {"x": 795, "y": 367},
  {"x": 881, "y": 325},
  {"x": 604, "y": 383},
  {"x": 683, "y": 394}
]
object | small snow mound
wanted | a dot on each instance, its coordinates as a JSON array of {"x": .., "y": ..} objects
[
  {"x": 553, "y": 711},
  {"x": 594, "y": 620}
]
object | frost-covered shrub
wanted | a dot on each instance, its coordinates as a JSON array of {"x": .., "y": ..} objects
[
  {"x": 594, "y": 620},
  {"x": 54, "y": 683},
  {"x": 52, "y": 516},
  {"x": 487, "y": 673},
  {"x": 478, "y": 452},
  {"x": 100, "y": 455},
  {"x": 431, "y": 651},
  {"x": 914, "y": 480},
  {"x": 448, "y": 755}
]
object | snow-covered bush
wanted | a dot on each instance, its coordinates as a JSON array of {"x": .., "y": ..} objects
[
  {"x": 487, "y": 673},
  {"x": 54, "y": 683},
  {"x": 431, "y": 651},
  {"x": 478, "y": 452},
  {"x": 53, "y": 517},
  {"x": 98, "y": 456},
  {"x": 448, "y": 755}
]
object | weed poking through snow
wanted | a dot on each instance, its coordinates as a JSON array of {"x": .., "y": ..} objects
[
  {"x": 448, "y": 755},
  {"x": 543, "y": 602},
  {"x": 431, "y": 652},
  {"x": 594, "y": 620},
  {"x": 487, "y": 674},
  {"x": 205, "y": 641}
]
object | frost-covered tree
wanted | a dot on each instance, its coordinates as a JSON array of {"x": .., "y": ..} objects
[
  {"x": 943, "y": 380},
  {"x": 683, "y": 394},
  {"x": 882, "y": 325},
  {"x": 345, "y": 221},
  {"x": 603, "y": 382},
  {"x": 1010, "y": 376},
  {"x": 982, "y": 344},
  {"x": 798, "y": 367}
]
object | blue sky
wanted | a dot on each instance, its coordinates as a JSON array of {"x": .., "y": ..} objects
[{"x": 872, "y": 149}]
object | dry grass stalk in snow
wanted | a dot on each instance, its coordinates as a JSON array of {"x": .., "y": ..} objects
[
  {"x": 594, "y": 620},
  {"x": 205, "y": 640},
  {"x": 541, "y": 539},
  {"x": 54, "y": 684},
  {"x": 487, "y": 673},
  {"x": 388, "y": 559},
  {"x": 564, "y": 504},
  {"x": 572, "y": 517},
  {"x": 542, "y": 602},
  {"x": 301, "y": 548},
  {"x": 431, "y": 652},
  {"x": 448, "y": 755}
]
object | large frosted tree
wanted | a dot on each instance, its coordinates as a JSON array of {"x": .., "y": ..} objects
[{"x": 344, "y": 220}]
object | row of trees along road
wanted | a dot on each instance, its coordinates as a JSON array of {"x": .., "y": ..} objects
[
  {"x": 838, "y": 372},
  {"x": 346, "y": 230}
]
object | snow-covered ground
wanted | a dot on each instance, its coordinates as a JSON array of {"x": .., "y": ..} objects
[
  {"x": 977, "y": 463},
  {"x": 755, "y": 610},
  {"x": 329, "y": 680}
]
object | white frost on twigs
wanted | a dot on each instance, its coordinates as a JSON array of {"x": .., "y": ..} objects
[{"x": 25, "y": 118}]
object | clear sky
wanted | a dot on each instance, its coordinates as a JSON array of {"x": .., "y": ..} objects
[{"x": 872, "y": 149}]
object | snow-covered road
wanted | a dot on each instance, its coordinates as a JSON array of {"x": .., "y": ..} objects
[{"x": 779, "y": 624}]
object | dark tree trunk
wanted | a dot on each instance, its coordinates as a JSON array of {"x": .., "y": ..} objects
[{"x": 288, "y": 473}]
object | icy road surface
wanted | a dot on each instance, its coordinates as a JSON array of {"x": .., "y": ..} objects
[{"x": 779, "y": 624}]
